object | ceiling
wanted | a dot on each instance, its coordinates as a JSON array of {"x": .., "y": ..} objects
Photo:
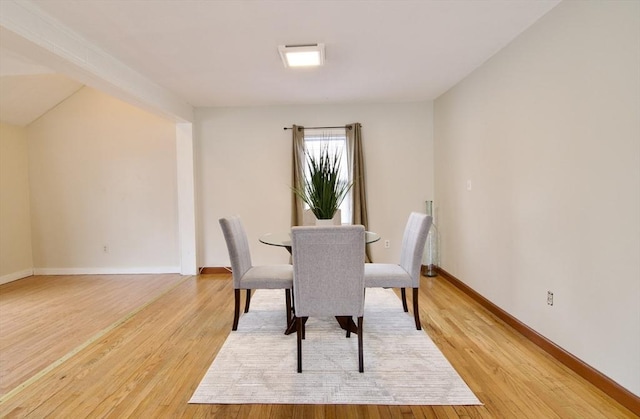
[{"x": 225, "y": 53}]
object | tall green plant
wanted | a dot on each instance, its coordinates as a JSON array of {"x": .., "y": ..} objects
[{"x": 322, "y": 189}]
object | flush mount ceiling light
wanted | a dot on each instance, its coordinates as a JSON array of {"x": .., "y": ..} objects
[{"x": 309, "y": 55}]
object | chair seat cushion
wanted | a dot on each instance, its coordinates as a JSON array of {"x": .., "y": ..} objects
[
  {"x": 268, "y": 277},
  {"x": 378, "y": 275}
]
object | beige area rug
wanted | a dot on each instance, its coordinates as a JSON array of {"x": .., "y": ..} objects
[{"x": 402, "y": 366}]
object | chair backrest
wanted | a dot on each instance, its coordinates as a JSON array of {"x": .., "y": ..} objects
[
  {"x": 413, "y": 240},
  {"x": 328, "y": 270},
  {"x": 238, "y": 247}
]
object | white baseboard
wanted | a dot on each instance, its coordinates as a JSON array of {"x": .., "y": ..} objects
[
  {"x": 15, "y": 276},
  {"x": 107, "y": 271}
]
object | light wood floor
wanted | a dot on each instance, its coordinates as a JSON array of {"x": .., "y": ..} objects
[
  {"x": 44, "y": 318},
  {"x": 145, "y": 358}
]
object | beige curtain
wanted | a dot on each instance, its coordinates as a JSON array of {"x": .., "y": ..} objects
[
  {"x": 358, "y": 190},
  {"x": 297, "y": 175}
]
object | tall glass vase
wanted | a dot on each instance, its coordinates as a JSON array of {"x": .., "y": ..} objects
[{"x": 431, "y": 248}]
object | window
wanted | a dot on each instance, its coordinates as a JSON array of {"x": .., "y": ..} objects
[{"x": 335, "y": 140}]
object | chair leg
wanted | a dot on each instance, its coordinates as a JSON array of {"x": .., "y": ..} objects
[
  {"x": 299, "y": 327},
  {"x": 416, "y": 312},
  {"x": 404, "y": 299},
  {"x": 236, "y": 310},
  {"x": 247, "y": 301},
  {"x": 287, "y": 297},
  {"x": 360, "y": 352}
]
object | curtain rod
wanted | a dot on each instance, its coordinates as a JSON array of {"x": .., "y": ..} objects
[{"x": 342, "y": 126}]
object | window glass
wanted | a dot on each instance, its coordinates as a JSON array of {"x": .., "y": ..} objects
[{"x": 335, "y": 140}]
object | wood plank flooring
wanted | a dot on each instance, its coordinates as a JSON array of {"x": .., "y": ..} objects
[
  {"x": 152, "y": 355},
  {"x": 43, "y": 318}
]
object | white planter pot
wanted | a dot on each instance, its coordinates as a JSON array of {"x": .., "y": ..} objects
[
  {"x": 335, "y": 221},
  {"x": 309, "y": 219}
]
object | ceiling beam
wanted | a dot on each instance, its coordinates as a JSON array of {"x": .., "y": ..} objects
[{"x": 27, "y": 30}]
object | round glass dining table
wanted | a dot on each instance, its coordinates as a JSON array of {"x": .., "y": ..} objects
[{"x": 283, "y": 239}]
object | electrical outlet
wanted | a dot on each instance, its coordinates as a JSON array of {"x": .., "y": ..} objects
[
  {"x": 549, "y": 298},
  {"x": 387, "y": 244},
  {"x": 105, "y": 248}
]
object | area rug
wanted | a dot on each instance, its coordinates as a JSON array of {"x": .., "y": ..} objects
[{"x": 402, "y": 366}]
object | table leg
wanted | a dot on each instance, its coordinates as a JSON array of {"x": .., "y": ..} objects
[
  {"x": 291, "y": 327},
  {"x": 347, "y": 323}
]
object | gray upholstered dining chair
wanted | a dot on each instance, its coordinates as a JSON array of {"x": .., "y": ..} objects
[
  {"x": 406, "y": 274},
  {"x": 328, "y": 277},
  {"x": 249, "y": 277}
]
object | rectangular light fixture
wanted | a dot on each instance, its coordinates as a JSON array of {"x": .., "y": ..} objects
[{"x": 309, "y": 55}]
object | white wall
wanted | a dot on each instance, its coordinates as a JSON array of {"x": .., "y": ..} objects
[
  {"x": 548, "y": 133},
  {"x": 15, "y": 225},
  {"x": 103, "y": 172},
  {"x": 243, "y": 163}
]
